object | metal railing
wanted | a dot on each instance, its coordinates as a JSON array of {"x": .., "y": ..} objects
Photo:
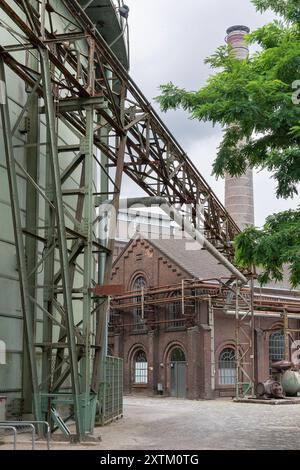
[
  {"x": 13, "y": 428},
  {"x": 31, "y": 424}
]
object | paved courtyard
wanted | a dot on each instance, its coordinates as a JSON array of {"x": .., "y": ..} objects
[{"x": 167, "y": 423}]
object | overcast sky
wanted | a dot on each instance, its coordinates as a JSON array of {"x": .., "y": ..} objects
[{"x": 169, "y": 41}]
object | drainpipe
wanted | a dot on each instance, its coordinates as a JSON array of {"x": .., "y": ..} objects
[{"x": 211, "y": 323}]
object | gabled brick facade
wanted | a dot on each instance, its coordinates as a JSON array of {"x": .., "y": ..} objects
[{"x": 200, "y": 369}]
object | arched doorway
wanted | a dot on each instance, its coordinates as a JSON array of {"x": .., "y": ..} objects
[{"x": 178, "y": 373}]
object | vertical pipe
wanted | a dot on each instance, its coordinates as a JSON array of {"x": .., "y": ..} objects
[
  {"x": 252, "y": 349},
  {"x": 142, "y": 302},
  {"x": 237, "y": 342},
  {"x": 182, "y": 297},
  {"x": 211, "y": 322},
  {"x": 286, "y": 336}
]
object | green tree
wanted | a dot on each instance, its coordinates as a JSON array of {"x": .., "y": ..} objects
[{"x": 257, "y": 101}]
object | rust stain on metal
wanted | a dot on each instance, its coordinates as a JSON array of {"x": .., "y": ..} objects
[{"x": 108, "y": 289}]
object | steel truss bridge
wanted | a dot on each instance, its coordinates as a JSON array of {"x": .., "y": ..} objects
[{"x": 74, "y": 80}]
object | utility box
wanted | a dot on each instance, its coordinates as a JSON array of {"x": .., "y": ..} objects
[
  {"x": 160, "y": 389},
  {"x": 2, "y": 408}
]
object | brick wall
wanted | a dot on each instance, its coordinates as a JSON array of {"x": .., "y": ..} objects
[{"x": 141, "y": 258}]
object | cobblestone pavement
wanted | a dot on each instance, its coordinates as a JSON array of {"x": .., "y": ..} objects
[{"x": 167, "y": 423}]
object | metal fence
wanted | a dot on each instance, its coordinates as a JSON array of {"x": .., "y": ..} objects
[{"x": 111, "y": 391}]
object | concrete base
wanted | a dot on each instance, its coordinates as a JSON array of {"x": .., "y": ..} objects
[{"x": 271, "y": 401}]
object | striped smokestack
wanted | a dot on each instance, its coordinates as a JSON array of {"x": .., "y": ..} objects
[{"x": 239, "y": 200}]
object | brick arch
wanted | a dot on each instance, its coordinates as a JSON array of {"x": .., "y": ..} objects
[
  {"x": 135, "y": 275},
  {"x": 225, "y": 344},
  {"x": 277, "y": 325},
  {"x": 134, "y": 349},
  {"x": 170, "y": 346}
]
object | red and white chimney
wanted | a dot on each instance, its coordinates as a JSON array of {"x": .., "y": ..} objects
[{"x": 239, "y": 199}]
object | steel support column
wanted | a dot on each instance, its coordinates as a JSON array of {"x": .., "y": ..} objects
[
  {"x": 88, "y": 275},
  {"x": 32, "y": 212},
  {"x": 20, "y": 248},
  {"x": 61, "y": 234}
]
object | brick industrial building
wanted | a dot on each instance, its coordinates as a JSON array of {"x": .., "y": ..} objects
[
  {"x": 175, "y": 348},
  {"x": 175, "y": 336}
]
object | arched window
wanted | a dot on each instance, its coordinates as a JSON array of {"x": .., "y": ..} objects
[
  {"x": 138, "y": 285},
  {"x": 140, "y": 368},
  {"x": 177, "y": 355},
  {"x": 174, "y": 311},
  {"x": 276, "y": 346},
  {"x": 227, "y": 364}
]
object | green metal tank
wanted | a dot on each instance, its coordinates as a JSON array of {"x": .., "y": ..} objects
[
  {"x": 14, "y": 373},
  {"x": 290, "y": 382}
]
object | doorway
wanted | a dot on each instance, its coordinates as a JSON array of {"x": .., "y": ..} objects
[{"x": 178, "y": 373}]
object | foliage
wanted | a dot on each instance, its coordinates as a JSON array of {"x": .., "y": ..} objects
[
  {"x": 273, "y": 248},
  {"x": 289, "y": 9},
  {"x": 257, "y": 101}
]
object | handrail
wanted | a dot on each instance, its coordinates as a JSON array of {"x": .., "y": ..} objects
[
  {"x": 14, "y": 432},
  {"x": 31, "y": 423}
]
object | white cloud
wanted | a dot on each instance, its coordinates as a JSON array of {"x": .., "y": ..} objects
[{"x": 169, "y": 42}]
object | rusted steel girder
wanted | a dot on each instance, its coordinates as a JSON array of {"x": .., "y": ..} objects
[{"x": 153, "y": 157}]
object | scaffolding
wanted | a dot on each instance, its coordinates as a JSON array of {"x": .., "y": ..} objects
[{"x": 225, "y": 294}]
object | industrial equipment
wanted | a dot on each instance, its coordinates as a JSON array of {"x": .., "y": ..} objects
[
  {"x": 288, "y": 375},
  {"x": 269, "y": 389}
]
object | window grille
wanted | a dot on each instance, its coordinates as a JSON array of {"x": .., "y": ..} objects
[
  {"x": 140, "y": 368},
  {"x": 174, "y": 311},
  {"x": 138, "y": 285},
  {"x": 276, "y": 346},
  {"x": 227, "y": 367}
]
